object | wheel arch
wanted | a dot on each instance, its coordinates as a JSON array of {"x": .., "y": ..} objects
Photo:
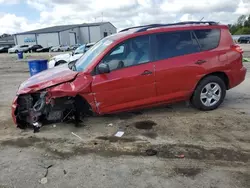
[
  {"x": 84, "y": 105},
  {"x": 220, "y": 74},
  {"x": 61, "y": 61}
]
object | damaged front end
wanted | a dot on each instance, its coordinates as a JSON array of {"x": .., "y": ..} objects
[
  {"x": 37, "y": 109},
  {"x": 55, "y": 95}
]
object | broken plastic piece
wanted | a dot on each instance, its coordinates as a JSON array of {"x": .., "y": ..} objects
[
  {"x": 77, "y": 136},
  {"x": 119, "y": 134},
  {"x": 36, "y": 126},
  {"x": 180, "y": 156}
]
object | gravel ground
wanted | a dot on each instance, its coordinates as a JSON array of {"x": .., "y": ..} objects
[{"x": 194, "y": 149}]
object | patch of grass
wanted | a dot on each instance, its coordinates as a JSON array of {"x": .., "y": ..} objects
[{"x": 246, "y": 59}]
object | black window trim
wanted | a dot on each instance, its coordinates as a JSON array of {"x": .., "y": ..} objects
[{"x": 94, "y": 72}]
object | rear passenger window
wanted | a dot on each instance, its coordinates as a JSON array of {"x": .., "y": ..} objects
[
  {"x": 208, "y": 38},
  {"x": 174, "y": 44}
]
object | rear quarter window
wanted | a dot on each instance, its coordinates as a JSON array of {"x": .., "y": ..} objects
[{"x": 208, "y": 38}]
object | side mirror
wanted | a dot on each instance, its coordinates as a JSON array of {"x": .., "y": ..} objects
[{"x": 103, "y": 68}]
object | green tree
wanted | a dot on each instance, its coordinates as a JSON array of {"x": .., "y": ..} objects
[
  {"x": 241, "y": 20},
  {"x": 242, "y": 26}
]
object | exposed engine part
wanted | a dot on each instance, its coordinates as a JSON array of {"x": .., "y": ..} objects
[
  {"x": 40, "y": 103},
  {"x": 34, "y": 108}
]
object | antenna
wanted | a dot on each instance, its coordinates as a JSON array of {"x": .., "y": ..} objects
[{"x": 201, "y": 18}]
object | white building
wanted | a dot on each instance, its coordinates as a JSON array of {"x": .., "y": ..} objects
[{"x": 66, "y": 34}]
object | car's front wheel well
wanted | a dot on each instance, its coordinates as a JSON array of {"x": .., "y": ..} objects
[
  {"x": 60, "y": 62},
  {"x": 83, "y": 106}
]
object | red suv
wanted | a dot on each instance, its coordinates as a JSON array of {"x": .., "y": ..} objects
[{"x": 136, "y": 68}]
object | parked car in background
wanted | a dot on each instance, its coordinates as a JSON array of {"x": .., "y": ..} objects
[
  {"x": 73, "y": 47},
  {"x": 69, "y": 57},
  {"x": 18, "y": 48},
  {"x": 244, "y": 40},
  {"x": 46, "y": 49},
  {"x": 34, "y": 48},
  {"x": 60, "y": 48},
  {"x": 4, "y": 49},
  {"x": 139, "y": 67}
]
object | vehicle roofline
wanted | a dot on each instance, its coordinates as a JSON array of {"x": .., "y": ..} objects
[{"x": 168, "y": 29}]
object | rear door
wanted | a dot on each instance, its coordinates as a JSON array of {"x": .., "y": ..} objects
[
  {"x": 183, "y": 58},
  {"x": 176, "y": 69},
  {"x": 130, "y": 82}
]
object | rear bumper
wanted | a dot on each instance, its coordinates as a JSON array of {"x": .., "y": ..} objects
[{"x": 237, "y": 77}]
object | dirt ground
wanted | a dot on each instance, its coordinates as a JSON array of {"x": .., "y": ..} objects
[{"x": 173, "y": 146}]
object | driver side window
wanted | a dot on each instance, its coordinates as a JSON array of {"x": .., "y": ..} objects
[{"x": 131, "y": 52}]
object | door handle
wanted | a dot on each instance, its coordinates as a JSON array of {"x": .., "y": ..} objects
[
  {"x": 199, "y": 62},
  {"x": 147, "y": 72}
]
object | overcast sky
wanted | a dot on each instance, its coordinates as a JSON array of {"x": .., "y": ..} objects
[{"x": 24, "y": 15}]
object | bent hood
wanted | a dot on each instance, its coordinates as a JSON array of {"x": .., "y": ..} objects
[{"x": 47, "y": 78}]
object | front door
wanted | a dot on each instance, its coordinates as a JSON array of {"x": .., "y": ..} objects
[{"x": 130, "y": 82}]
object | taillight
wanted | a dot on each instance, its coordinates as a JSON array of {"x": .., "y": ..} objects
[{"x": 237, "y": 48}]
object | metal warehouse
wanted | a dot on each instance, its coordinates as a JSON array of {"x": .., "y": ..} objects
[{"x": 66, "y": 34}]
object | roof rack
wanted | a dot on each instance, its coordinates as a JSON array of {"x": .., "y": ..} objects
[
  {"x": 137, "y": 27},
  {"x": 146, "y": 27}
]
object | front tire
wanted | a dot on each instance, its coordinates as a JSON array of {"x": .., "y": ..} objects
[{"x": 209, "y": 93}]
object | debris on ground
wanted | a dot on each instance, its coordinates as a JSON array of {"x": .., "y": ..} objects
[
  {"x": 65, "y": 172},
  {"x": 180, "y": 156},
  {"x": 44, "y": 180},
  {"x": 119, "y": 134},
  {"x": 151, "y": 152},
  {"x": 36, "y": 127},
  {"x": 54, "y": 126},
  {"x": 76, "y": 136},
  {"x": 47, "y": 170},
  {"x": 110, "y": 125}
]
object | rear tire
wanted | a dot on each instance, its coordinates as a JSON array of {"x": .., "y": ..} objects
[
  {"x": 60, "y": 62},
  {"x": 209, "y": 93}
]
